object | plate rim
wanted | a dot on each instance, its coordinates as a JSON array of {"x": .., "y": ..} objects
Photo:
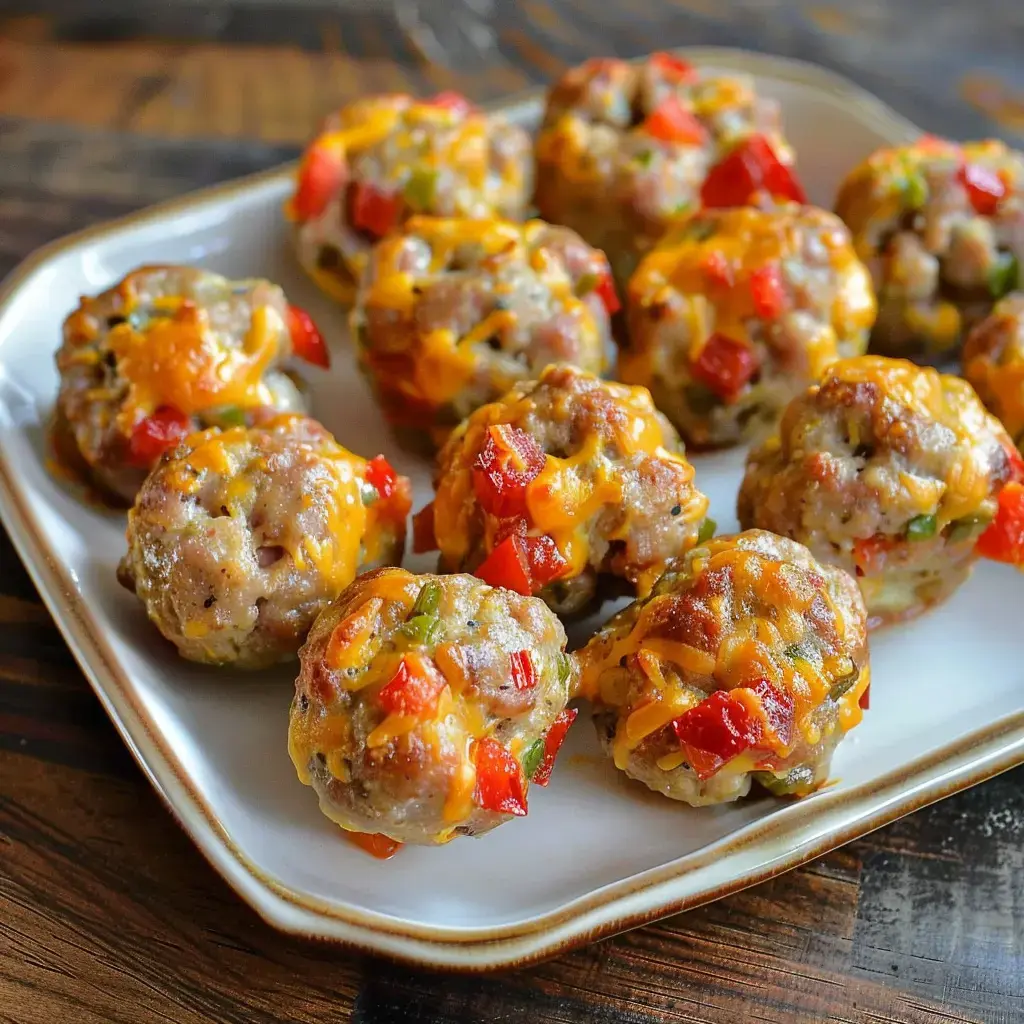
[{"x": 628, "y": 903}]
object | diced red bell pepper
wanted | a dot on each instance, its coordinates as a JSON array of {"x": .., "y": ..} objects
[
  {"x": 865, "y": 698},
  {"x": 984, "y": 187},
  {"x": 718, "y": 269},
  {"x": 673, "y": 67},
  {"x": 605, "y": 290},
  {"x": 155, "y": 434},
  {"x": 777, "y": 706},
  {"x": 750, "y": 167},
  {"x": 715, "y": 731},
  {"x": 521, "y": 670},
  {"x": 321, "y": 176},
  {"x": 670, "y": 121},
  {"x": 544, "y": 560},
  {"x": 768, "y": 292},
  {"x": 1016, "y": 463},
  {"x": 1003, "y": 539},
  {"x": 381, "y": 476},
  {"x": 552, "y": 743},
  {"x": 506, "y": 464},
  {"x": 522, "y": 564},
  {"x": 500, "y": 785},
  {"x": 307, "y": 341},
  {"x": 372, "y": 210},
  {"x": 725, "y": 366},
  {"x": 414, "y": 689},
  {"x": 869, "y": 553},
  {"x": 450, "y": 100},
  {"x": 506, "y": 566},
  {"x": 423, "y": 536},
  {"x": 376, "y": 844}
]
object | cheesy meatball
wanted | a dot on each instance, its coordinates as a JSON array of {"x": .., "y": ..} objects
[
  {"x": 625, "y": 148},
  {"x": 426, "y": 705},
  {"x": 941, "y": 227},
  {"x": 889, "y": 470},
  {"x": 993, "y": 362},
  {"x": 736, "y": 311},
  {"x": 563, "y": 482},
  {"x": 383, "y": 158},
  {"x": 452, "y": 313},
  {"x": 240, "y": 538},
  {"x": 166, "y": 351},
  {"x": 747, "y": 663}
]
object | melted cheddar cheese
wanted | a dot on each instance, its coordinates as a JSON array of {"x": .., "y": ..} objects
[
  {"x": 638, "y": 666},
  {"x": 404, "y": 139},
  {"x": 432, "y": 368},
  {"x": 947, "y": 401},
  {"x": 571, "y": 492},
  {"x": 876, "y": 193},
  {"x": 701, "y": 275},
  {"x": 565, "y": 141},
  {"x": 224, "y": 466},
  {"x": 362, "y": 648}
]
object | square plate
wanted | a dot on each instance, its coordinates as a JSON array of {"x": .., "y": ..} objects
[{"x": 597, "y": 853}]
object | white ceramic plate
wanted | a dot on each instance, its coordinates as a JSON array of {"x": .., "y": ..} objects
[{"x": 597, "y": 853}]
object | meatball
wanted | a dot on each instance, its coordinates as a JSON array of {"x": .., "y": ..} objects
[
  {"x": 240, "y": 538},
  {"x": 737, "y": 311},
  {"x": 425, "y": 705},
  {"x": 382, "y": 158},
  {"x": 941, "y": 227},
  {"x": 994, "y": 363},
  {"x": 888, "y": 470},
  {"x": 627, "y": 147},
  {"x": 748, "y": 662},
  {"x": 452, "y": 313},
  {"x": 564, "y": 480},
  {"x": 167, "y": 351}
]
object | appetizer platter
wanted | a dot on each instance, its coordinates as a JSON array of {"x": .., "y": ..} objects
[{"x": 509, "y": 526}]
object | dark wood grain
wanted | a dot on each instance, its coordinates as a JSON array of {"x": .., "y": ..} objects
[{"x": 107, "y": 912}]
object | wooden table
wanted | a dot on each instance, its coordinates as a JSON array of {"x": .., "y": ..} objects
[{"x": 107, "y": 913}]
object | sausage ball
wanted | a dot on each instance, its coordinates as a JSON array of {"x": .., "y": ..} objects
[
  {"x": 941, "y": 227},
  {"x": 240, "y": 538},
  {"x": 747, "y": 663},
  {"x": 627, "y": 147},
  {"x": 994, "y": 363},
  {"x": 737, "y": 311},
  {"x": 889, "y": 470},
  {"x": 382, "y": 158},
  {"x": 425, "y": 705},
  {"x": 167, "y": 351},
  {"x": 452, "y": 313},
  {"x": 564, "y": 480}
]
